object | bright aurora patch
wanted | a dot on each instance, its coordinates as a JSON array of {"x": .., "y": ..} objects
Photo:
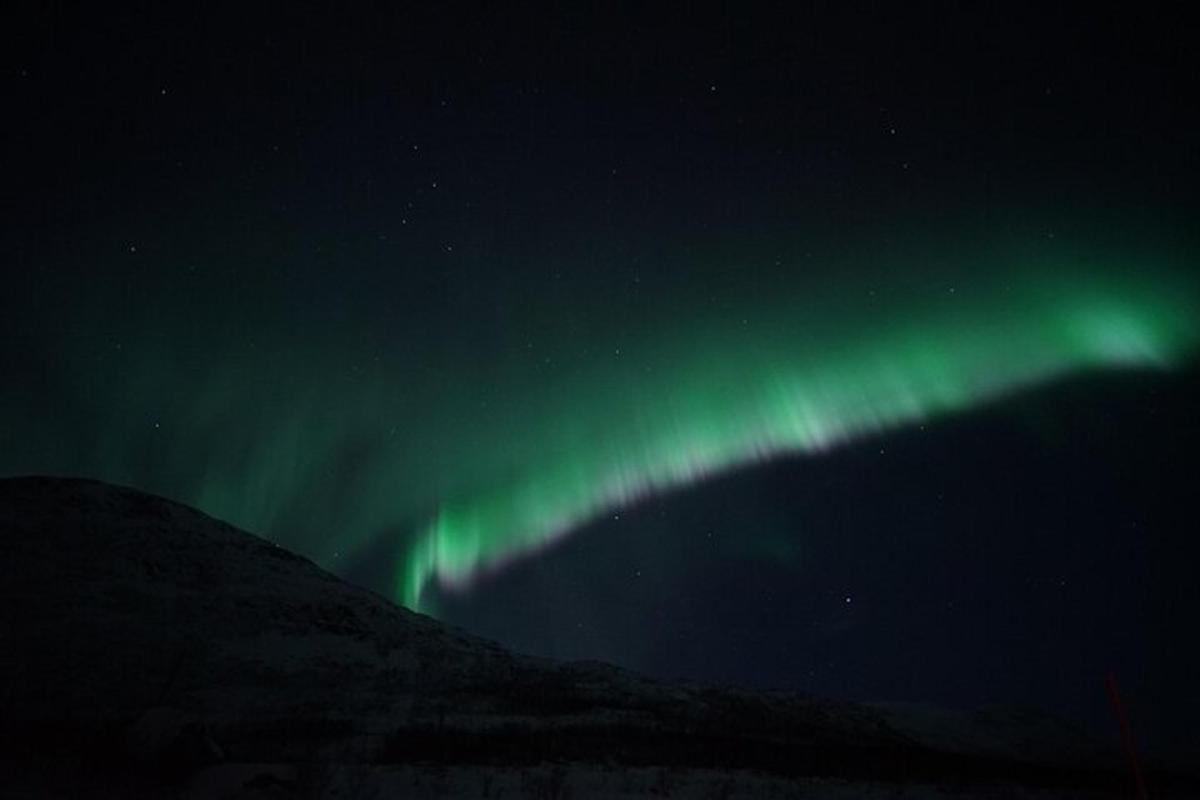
[{"x": 758, "y": 389}]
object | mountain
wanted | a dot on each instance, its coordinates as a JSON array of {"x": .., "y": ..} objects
[{"x": 147, "y": 649}]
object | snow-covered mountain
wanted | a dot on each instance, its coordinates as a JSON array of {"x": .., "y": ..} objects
[{"x": 145, "y": 646}]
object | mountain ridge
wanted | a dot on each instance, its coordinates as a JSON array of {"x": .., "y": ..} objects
[{"x": 131, "y": 618}]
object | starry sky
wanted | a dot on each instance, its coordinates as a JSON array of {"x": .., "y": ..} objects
[{"x": 820, "y": 348}]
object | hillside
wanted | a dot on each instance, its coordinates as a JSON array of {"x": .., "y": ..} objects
[{"x": 146, "y": 645}]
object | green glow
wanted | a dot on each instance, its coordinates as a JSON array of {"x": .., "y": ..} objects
[
  {"x": 472, "y": 424},
  {"x": 716, "y": 407}
]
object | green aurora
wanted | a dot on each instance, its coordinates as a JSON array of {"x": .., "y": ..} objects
[
  {"x": 744, "y": 398},
  {"x": 344, "y": 430}
]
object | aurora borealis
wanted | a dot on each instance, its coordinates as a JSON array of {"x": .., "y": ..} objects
[
  {"x": 782, "y": 389},
  {"x": 698, "y": 390},
  {"x": 841, "y": 350}
]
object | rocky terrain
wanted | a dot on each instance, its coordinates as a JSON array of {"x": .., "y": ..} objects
[{"x": 147, "y": 649}]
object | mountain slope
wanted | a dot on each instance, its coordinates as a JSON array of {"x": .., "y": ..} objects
[{"x": 137, "y": 631}]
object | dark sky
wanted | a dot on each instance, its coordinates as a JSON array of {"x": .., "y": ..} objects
[{"x": 807, "y": 346}]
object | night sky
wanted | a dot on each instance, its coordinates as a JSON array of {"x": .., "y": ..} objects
[{"x": 821, "y": 348}]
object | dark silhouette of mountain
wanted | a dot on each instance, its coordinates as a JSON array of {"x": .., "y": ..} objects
[{"x": 147, "y": 649}]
